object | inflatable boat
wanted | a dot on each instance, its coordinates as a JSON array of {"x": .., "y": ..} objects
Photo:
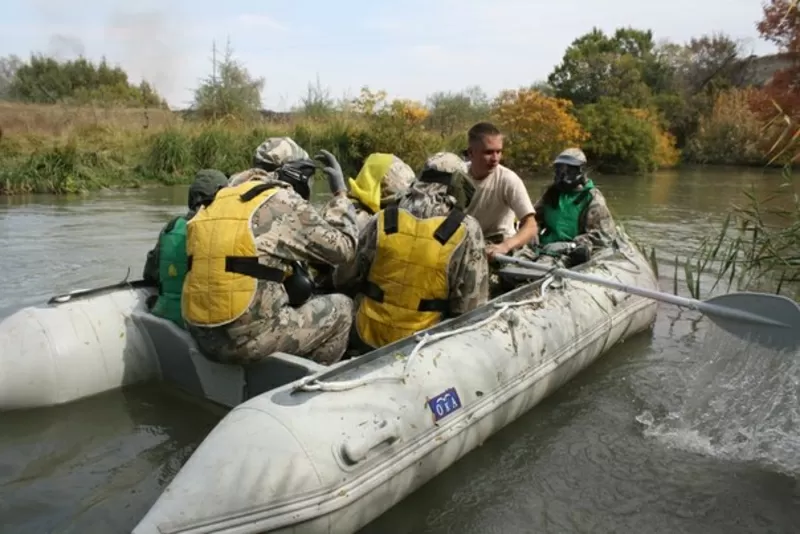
[
  {"x": 333, "y": 449},
  {"x": 308, "y": 448}
]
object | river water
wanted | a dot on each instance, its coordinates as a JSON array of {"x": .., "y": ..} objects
[{"x": 635, "y": 443}]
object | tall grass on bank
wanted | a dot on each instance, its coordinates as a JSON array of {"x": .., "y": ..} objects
[
  {"x": 47, "y": 120},
  {"x": 91, "y": 157},
  {"x": 758, "y": 245}
]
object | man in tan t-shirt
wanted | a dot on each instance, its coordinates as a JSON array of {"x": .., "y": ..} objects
[{"x": 500, "y": 194}]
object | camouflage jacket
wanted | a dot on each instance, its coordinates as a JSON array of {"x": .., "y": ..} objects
[
  {"x": 596, "y": 227},
  {"x": 468, "y": 272},
  {"x": 288, "y": 228},
  {"x": 362, "y": 215}
]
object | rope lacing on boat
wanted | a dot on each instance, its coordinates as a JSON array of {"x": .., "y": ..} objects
[{"x": 311, "y": 384}]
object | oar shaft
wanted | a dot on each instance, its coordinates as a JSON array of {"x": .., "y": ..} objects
[
  {"x": 693, "y": 304},
  {"x": 66, "y": 297},
  {"x": 666, "y": 297}
]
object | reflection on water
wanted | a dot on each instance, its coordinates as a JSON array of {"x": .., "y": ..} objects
[
  {"x": 96, "y": 465},
  {"x": 580, "y": 462}
]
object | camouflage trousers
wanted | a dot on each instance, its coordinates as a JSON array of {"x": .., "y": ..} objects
[{"x": 317, "y": 330}]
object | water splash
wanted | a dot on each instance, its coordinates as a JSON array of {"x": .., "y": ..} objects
[{"x": 743, "y": 404}]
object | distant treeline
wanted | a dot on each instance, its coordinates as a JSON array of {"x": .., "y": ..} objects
[{"x": 633, "y": 105}]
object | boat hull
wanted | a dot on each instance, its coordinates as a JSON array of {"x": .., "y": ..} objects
[
  {"x": 331, "y": 452},
  {"x": 64, "y": 352},
  {"x": 55, "y": 354}
]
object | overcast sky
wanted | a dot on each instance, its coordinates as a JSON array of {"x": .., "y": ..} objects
[{"x": 409, "y": 48}]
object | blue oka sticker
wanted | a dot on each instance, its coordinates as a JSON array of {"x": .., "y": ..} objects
[{"x": 444, "y": 404}]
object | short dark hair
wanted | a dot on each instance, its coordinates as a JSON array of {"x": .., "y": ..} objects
[{"x": 481, "y": 130}]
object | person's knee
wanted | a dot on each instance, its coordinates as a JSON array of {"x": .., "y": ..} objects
[{"x": 342, "y": 306}]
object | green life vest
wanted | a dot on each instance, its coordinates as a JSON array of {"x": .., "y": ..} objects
[
  {"x": 172, "y": 267},
  {"x": 562, "y": 222}
]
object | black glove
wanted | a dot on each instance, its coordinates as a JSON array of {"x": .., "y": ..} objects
[
  {"x": 578, "y": 255},
  {"x": 332, "y": 170}
]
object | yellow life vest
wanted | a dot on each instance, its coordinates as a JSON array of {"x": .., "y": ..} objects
[
  {"x": 407, "y": 288},
  {"x": 223, "y": 267}
]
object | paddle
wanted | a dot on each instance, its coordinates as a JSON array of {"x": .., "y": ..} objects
[
  {"x": 80, "y": 293},
  {"x": 769, "y": 320}
]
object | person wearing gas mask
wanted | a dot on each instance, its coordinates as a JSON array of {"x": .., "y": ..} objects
[
  {"x": 419, "y": 261},
  {"x": 380, "y": 182},
  {"x": 247, "y": 292},
  {"x": 270, "y": 155},
  {"x": 572, "y": 213}
]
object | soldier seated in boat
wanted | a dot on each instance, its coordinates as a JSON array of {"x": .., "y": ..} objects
[
  {"x": 166, "y": 263},
  {"x": 500, "y": 194},
  {"x": 247, "y": 292},
  {"x": 380, "y": 182},
  {"x": 572, "y": 213},
  {"x": 419, "y": 261}
]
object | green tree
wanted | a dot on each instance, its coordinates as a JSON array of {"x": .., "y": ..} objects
[
  {"x": 543, "y": 87},
  {"x": 594, "y": 62},
  {"x": 45, "y": 80},
  {"x": 454, "y": 111},
  {"x": 318, "y": 103},
  {"x": 8, "y": 69},
  {"x": 624, "y": 140},
  {"x": 230, "y": 91},
  {"x": 699, "y": 71}
]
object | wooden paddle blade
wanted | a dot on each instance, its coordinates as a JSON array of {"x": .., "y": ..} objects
[{"x": 783, "y": 312}]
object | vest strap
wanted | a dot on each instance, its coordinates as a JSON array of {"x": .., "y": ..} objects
[
  {"x": 248, "y": 266},
  {"x": 434, "y": 305},
  {"x": 254, "y": 191},
  {"x": 374, "y": 292},
  {"x": 390, "y": 220},
  {"x": 449, "y": 226}
]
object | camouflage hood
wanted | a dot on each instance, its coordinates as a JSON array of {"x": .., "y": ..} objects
[
  {"x": 277, "y": 151},
  {"x": 444, "y": 177},
  {"x": 269, "y": 156}
]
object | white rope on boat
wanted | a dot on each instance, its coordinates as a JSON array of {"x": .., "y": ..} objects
[{"x": 311, "y": 384}]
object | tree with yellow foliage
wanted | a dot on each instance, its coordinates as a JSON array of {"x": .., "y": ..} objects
[
  {"x": 409, "y": 111},
  {"x": 536, "y": 128}
]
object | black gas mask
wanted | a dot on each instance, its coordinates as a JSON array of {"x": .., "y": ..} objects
[
  {"x": 300, "y": 175},
  {"x": 568, "y": 177}
]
